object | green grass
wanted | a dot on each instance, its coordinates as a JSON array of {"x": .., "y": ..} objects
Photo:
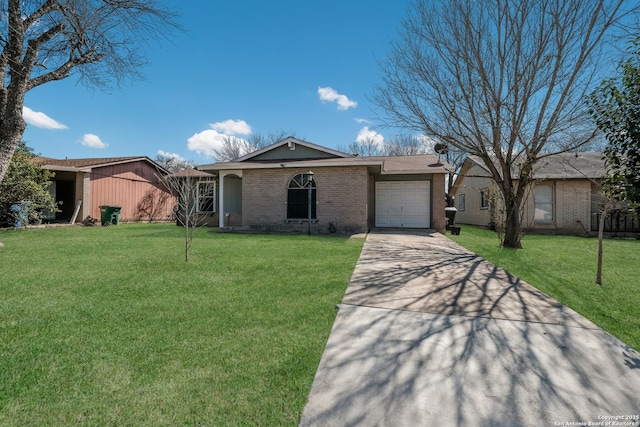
[
  {"x": 109, "y": 326},
  {"x": 564, "y": 267}
]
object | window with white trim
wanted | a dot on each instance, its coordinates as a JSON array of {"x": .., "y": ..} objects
[
  {"x": 461, "y": 202},
  {"x": 206, "y": 196},
  {"x": 298, "y": 197},
  {"x": 543, "y": 203},
  {"x": 484, "y": 199}
]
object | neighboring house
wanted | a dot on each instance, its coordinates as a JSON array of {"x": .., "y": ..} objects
[
  {"x": 564, "y": 198},
  {"x": 269, "y": 190},
  {"x": 129, "y": 182}
]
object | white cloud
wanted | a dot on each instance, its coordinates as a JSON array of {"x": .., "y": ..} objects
[
  {"x": 178, "y": 157},
  {"x": 206, "y": 142},
  {"x": 330, "y": 95},
  {"x": 367, "y": 135},
  {"x": 40, "y": 120},
  {"x": 209, "y": 140},
  {"x": 92, "y": 141},
  {"x": 232, "y": 127},
  {"x": 361, "y": 120}
]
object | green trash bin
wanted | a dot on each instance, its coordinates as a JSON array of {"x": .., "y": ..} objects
[{"x": 110, "y": 215}]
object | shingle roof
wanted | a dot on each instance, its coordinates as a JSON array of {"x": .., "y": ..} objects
[
  {"x": 416, "y": 163},
  {"x": 564, "y": 166},
  {"x": 424, "y": 163},
  {"x": 85, "y": 163},
  {"x": 88, "y": 164},
  {"x": 570, "y": 166}
]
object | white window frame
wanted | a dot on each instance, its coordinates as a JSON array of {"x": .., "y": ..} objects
[
  {"x": 484, "y": 199},
  {"x": 544, "y": 205},
  {"x": 462, "y": 202},
  {"x": 201, "y": 198}
]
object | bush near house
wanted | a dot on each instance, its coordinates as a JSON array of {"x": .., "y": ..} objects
[{"x": 26, "y": 182}]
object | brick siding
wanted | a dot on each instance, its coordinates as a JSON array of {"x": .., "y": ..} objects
[
  {"x": 341, "y": 199},
  {"x": 438, "y": 203}
]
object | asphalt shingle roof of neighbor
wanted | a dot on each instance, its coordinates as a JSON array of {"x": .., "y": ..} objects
[
  {"x": 570, "y": 166},
  {"x": 83, "y": 163},
  {"x": 565, "y": 166}
]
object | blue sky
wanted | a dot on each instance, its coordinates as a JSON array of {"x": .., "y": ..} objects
[{"x": 240, "y": 67}]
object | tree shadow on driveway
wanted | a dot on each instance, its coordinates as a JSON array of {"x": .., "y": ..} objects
[{"x": 430, "y": 334}]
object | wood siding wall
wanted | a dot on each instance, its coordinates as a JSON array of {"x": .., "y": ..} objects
[{"x": 133, "y": 186}]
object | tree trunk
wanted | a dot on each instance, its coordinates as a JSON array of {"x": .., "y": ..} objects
[
  {"x": 513, "y": 228},
  {"x": 512, "y": 202},
  {"x": 186, "y": 238},
  {"x": 605, "y": 212},
  {"x": 11, "y": 131}
]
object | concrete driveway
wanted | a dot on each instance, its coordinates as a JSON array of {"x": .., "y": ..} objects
[{"x": 428, "y": 334}]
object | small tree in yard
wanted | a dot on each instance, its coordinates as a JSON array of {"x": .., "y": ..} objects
[
  {"x": 615, "y": 107},
  {"x": 47, "y": 40},
  {"x": 504, "y": 80},
  {"x": 184, "y": 186},
  {"x": 25, "y": 181}
]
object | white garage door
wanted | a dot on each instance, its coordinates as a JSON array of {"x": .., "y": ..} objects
[{"x": 403, "y": 204}]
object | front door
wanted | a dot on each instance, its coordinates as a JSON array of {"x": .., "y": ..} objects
[{"x": 65, "y": 199}]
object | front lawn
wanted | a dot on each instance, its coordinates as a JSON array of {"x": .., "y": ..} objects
[
  {"x": 564, "y": 267},
  {"x": 109, "y": 325}
]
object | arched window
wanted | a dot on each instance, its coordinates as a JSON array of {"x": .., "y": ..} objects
[{"x": 298, "y": 197}]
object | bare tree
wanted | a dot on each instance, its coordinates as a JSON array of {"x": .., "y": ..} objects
[
  {"x": 184, "y": 185},
  {"x": 454, "y": 157},
  {"x": 408, "y": 145},
  {"x": 259, "y": 140},
  {"x": 172, "y": 163},
  {"x": 233, "y": 147},
  {"x": 403, "y": 145},
  {"x": 46, "y": 40},
  {"x": 365, "y": 147},
  {"x": 501, "y": 79}
]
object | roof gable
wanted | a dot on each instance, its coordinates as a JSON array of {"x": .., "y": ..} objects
[
  {"x": 291, "y": 149},
  {"x": 471, "y": 167}
]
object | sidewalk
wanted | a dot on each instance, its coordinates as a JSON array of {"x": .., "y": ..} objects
[{"x": 429, "y": 334}]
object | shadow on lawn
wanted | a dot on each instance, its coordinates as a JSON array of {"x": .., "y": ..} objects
[{"x": 430, "y": 334}]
